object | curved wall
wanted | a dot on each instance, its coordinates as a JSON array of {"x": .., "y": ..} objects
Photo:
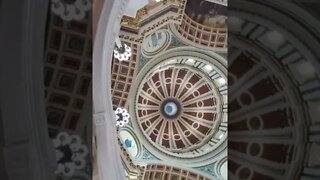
[
  {"x": 25, "y": 147},
  {"x": 108, "y": 151}
]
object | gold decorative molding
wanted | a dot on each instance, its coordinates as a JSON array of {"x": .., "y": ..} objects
[{"x": 132, "y": 29}]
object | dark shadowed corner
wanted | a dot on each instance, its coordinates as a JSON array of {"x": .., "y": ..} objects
[
  {"x": 45, "y": 96},
  {"x": 274, "y": 90}
]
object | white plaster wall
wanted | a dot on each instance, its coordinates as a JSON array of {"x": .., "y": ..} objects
[
  {"x": 26, "y": 147},
  {"x": 108, "y": 151}
]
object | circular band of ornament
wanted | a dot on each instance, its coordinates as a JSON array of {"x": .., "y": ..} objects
[{"x": 178, "y": 106}]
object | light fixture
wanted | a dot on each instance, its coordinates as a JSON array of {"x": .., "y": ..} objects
[
  {"x": 70, "y": 9},
  {"x": 122, "y": 116},
  {"x": 221, "y": 135},
  {"x": 208, "y": 68},
  {"x": 122, "y": 53},
  {"x": 191, "y": 61},
  {"x": 275, "y": 37},
  {"x": 221, "y": 81},
  {"x": 70, "y": 153}
]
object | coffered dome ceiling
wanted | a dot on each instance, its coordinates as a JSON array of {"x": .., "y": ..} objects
[
  {"x": 178, "y": 106},
  {"x": 174, "y": 86}
]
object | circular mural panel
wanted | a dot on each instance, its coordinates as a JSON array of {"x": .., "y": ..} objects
[
  {"x": 179, "y": 106},
  {"x": 155, "y": 42},
  {"x": 129, "y": 142}
]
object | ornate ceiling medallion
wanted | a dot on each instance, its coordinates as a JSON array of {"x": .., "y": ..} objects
[
  {"x": 170, "y": 108},
  {"x": 179, "y": 106},
  {"x": 70, "y": 153},
  {"x": 70, "y": 9}
]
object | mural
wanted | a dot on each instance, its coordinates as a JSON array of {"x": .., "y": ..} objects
[
  {"x": 129, "y": 142},
  {"x": 207, "y": 13}
]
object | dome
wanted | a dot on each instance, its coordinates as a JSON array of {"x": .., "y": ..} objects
[{"x": 178, "y": 105}]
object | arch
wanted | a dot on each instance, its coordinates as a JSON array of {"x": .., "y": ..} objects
[{"x": 108, "y": 151}]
